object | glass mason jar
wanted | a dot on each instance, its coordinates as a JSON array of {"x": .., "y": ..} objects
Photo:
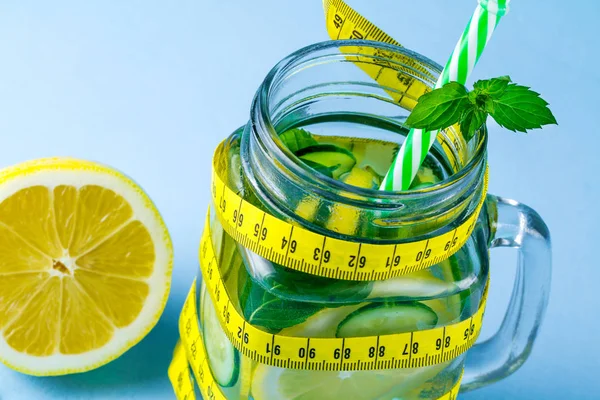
[{"x": 321, "y": 90}]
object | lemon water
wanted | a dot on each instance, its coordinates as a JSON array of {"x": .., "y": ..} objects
[{"x": 293, "y": 303}]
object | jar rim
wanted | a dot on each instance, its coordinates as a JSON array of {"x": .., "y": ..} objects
[{"x": 273, "y": 144}]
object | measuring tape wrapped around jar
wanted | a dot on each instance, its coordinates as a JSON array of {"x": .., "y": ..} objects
[
  {"x": 417, "y": 349},
  {"x": 227, "y": 351},
  {"x": 238, "y": 339}
]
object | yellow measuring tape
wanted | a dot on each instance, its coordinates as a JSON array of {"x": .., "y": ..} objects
[
  {"x": 303, "y": 250},
  {"x": 343, "y": 22},
  {"x": 183, "y": 382},
  {"x": 179, "y": 371}
]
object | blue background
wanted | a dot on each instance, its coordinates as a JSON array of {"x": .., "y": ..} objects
[{"x": 151, "y": 87}]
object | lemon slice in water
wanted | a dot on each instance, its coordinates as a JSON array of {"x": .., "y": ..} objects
[
  {"x": 85, "y": 266},
  {"x": 270, "y": 383}
]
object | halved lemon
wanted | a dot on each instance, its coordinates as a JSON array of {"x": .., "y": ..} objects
[{"x": 85, "y": 265}]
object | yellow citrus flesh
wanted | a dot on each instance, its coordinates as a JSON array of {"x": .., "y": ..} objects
[
  {"x": 85, "y": 263},
  {"x": 291, "y": 384}
]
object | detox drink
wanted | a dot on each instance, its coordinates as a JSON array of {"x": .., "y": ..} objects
[
  {"x": 324, "y": 128},
  {"x": 347, "y": 149}
]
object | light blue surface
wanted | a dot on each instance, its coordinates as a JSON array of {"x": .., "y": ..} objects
[{"x": 151, "y": 87}]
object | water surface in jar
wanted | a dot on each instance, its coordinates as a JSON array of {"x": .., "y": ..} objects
[{"x": 355, "y": 160}]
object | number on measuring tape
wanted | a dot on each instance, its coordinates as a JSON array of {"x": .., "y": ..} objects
[
  {"x": 338, "y": 21},
  {"x": 238, "y": 218},
  {"x": 317, "y": 255},
  {"x": 393, "y": 261},
  {"x": 439, "y": 343},
  {"x": 292, "y": 244},
  {"x": 374, "y": 351},
  {"x": 311, "y": 353},
  {"x": 342, "y": 353},
  {"x": 276, "y": 349},
  {"x": 359, "y": 261},
  {"x": 260, "y": 233}
]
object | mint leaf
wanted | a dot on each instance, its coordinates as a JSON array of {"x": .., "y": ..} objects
[
  {"x": 439, "y": 108},
  {"x": 471, "y": 120},
  {"x": 297, "y": 139},
  {"x": 275, "y": 314},
  {"x": 297, "y": 284},
  {"x": 271, "y": 312},
  {"x": 514, "y": 107},
  {"x": 493, "y": 87},
  {"x": 519, "y": 108}
]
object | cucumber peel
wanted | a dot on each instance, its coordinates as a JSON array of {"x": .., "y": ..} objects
[
  {"x": 387, "y": 318},
  {"x": 336, "y": 158},
  {"x": 223, "y": 358},
  {"x": 421, "y": 284}
]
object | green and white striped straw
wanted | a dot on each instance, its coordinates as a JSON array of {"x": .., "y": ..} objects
[{"x": 460, "y": 65}]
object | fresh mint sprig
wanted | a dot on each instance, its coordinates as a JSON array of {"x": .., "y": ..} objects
[{"x": 514, "y": 107}]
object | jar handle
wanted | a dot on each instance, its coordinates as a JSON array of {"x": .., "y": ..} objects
[{"x": 520, "y": 227}]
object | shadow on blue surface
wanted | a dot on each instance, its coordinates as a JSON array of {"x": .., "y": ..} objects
[{"x": 144, "y": 363}]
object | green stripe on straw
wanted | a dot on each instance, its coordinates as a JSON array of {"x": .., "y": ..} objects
[{"x": 458, "y": 68}]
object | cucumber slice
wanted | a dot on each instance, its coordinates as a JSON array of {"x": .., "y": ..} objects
[
  {"x": 201, "y": 303},
  {"x": 323, "y": 324},
  {"x": 421, "y": 284},
  {"x": 329, "y": 155},
  {"x": 387, "y": 318},
  {"x": 223, "y": 358},
  {"x": 328, "y": 171}
]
